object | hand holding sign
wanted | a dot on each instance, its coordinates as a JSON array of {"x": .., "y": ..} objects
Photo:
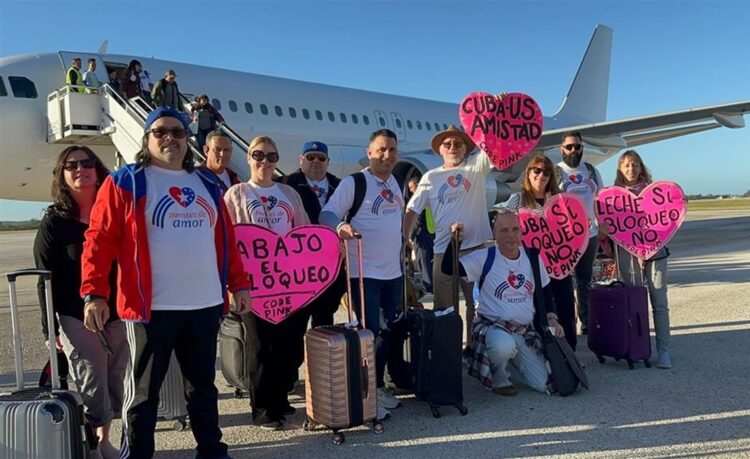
[
  {"x": 505, "y": 129},
  {"x": 560, "y": 232},
  {"x": 287, "y": 272},
  {"x": 642, "y": 224}
]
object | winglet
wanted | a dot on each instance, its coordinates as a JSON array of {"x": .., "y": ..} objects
[
  {"x": 103, "y": 47},
  {"x": 586, "y": 101}
]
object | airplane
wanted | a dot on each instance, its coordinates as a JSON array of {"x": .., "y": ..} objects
[{"x": 39, "y": 116}]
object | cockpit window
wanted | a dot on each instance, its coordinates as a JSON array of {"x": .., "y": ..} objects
[
  {"x": 22, "y": 87},
  {"x": 3, "y": 91}
]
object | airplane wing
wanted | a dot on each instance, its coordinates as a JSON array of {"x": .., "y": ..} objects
[{"x": 631, "y": 132}]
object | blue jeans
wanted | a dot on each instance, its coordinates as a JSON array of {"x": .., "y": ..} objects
[{"x": 382, "y": 297}]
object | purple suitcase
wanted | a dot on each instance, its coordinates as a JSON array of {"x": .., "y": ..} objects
[{"x": 618, "y": 323}]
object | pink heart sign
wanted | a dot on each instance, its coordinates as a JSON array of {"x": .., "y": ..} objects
[
  {"x": 642, "y": 224},
  {"x": 287, "y": 272},
  {"x": 560, "y": 230},
  {"x": 505, "y": 130}
]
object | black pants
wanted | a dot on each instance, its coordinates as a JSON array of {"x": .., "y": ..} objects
[
  {"x": 584, "y": 270},
  {"x": 562, "y": 292},
  {"x": 323, "y": 308},
  {"x": 192, "y": 337}
]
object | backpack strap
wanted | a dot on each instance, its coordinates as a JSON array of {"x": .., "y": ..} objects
[
  {"x": 488, "y": 262},
  {"x": 360, "y": 187}
]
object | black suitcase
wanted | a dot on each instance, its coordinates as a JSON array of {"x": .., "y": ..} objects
[
  {"x": 41, "y": 422},
  {"x": 236, "y": 352}
]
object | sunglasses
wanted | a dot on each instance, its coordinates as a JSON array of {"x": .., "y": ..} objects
[
  {"x": 539, "y": 170},
  {"x": 176, "y": 133},
  {"x": 313, "y": 156},
  {"x": 87, "y": 163},
  {"x": 259, "y": 155},
  {"x": 573, "y": 146},
  {"x": 455, "y": 145}
]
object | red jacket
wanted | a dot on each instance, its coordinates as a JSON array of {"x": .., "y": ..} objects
[{"x": 117, "y": 230}]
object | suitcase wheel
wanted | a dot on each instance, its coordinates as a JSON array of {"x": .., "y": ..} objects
[
  {"x": 462, "y": 410},
  {"x": 647, "y": 362},
  {"x": 181, "y": 424},
  {"x": 377, "y": 427},
  {"x": 600, "y": 358},
  {"x": 630, "y": 364},
  {"x": 435, "y": 411},
  {"x": 238, "y": 393},
  {"x": 308, "y": 425},
  {"x": 338, "y": 438}
]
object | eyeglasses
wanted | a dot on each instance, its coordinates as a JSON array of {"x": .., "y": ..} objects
[
  {"x": 87, "y": 163},
  {"x": 260, "y": 155},
  {"x": 455, "y": 145},
  {"x": 176, "y": 133},
  {"x": 539, "y": 170},
  {"x": 572, "y": 146},
  {"x": 313, "y": 156}
]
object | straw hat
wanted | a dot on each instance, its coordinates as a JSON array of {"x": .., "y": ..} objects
[{"x": 452, "y": 131}]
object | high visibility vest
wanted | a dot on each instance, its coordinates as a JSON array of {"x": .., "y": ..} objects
[
  {"x": 430, "y": 220},
  {"x": 79, "y": 78}
]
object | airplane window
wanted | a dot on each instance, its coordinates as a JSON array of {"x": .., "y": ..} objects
[
  {"x": 381, "y": 120},
  {"x": 366, "y": 120},
  {"x": 292, "y": 112},
  {"x": 3, "y": 91},
  {"x": 343, "y": 117},
  {"x": 427, "y": 126},
  {"x": 409, "y": 124},
  {"x": 445, "y": 127},
  {"x": 248, "y": 107},
  {"x": 354, "y": 119},
  {"x": 264, "y": 109},
  {"x": 306, "y": 113},
  {"x": 419, "y": 125},
  {"x": 331, "y": 116},
  {"x": 437, "y": 127},
  {"x": 232, "y": 105},
  {"x": 22, "y": 87},
  {"x": 216, "y": 103},
  {"x": 398, "y": 123},
  {"x": 318, "y": 115},
  {"x": 278, "y": 111}
]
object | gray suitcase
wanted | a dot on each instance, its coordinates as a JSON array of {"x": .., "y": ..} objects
[
  {"x": 172, "y": 404},
  {"x": 41, "y": 422}
]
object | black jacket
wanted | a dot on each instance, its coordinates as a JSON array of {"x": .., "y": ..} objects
[{"x": 312, "y": 206}]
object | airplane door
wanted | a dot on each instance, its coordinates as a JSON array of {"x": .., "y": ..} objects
[
  {"x": 398, "y": 123},
  {"x": 67, "y": 57}
]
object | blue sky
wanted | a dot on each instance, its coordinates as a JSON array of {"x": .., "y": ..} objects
[{"x": 667, "y": 55}]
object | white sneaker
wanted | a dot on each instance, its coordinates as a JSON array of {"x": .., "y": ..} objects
[
  {"x": 383, "y": 413},
  {"x": 387, "y": 400}
]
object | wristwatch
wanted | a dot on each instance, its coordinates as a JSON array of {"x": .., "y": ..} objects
[{"x": 88, "y": 298}]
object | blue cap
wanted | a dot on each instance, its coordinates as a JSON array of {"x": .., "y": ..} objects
[
  {"x": 162, "y": 112},
  {"x": 315, "y": 146}
]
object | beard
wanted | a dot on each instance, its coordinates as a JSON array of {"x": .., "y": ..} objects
[{"x": 572, "y": 160}]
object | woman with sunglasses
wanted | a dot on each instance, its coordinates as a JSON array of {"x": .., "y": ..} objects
[
  {"x": 98, "y": 375},
  {"x": 278, "y": 349},
  {"x": 538, "y": 186},
  {"x": 633, "y": 175}
]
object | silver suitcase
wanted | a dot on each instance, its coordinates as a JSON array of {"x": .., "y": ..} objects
[
  {"x": 41, "y": 422},
  {"x": 172, "y": 404}
]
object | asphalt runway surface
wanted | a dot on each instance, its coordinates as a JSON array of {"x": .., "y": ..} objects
[{"x": 699, "y": 408}]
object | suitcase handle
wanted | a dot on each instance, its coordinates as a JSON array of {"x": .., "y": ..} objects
[
  {"x": 361, "y": 280},
  {"x": 365, "y": 378},
  {"x": 47, "y": 276}
]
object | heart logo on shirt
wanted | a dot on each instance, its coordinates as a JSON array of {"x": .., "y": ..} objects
[
  {"x": 182, "y": 196},
  {"x": 387, "y": 195},
  {"x": 455, "y": 180},
  {"x": 269, "y": 202},
  {"x": 578, "y": 178},
  {"x": 516, "y": 280}
]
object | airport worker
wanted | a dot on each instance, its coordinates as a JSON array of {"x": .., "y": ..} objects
[
  {"x": 422, "y": 240},
  {"x": 218, "y": 151},
  {"x": 278, "y": 349},
  {"x": 130, "y": 84},
  {"x": 165, "y": 92},
  {"x": 633, "y": 175},
  {"x": 207, "y": 117},
  {"x": 73, "y": 77},
  {"x": 315, "y": 186},
  {"x": 510, "y": 317},
  {"x": 378, "y": 220},
  {"x": 98, "y": 377},
  {"x": 539, "y": 185},
  {"x": 90, "y": 80},
  {"x": 454, "y": 192},
  {"x": 582, "y": 179},
  {"x": 166, "y": 224}
]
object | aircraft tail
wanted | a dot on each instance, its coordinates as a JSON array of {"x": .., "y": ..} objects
[{"x": 586, "y": 101}]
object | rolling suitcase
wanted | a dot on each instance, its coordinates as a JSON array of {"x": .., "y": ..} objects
[
  {"x": 234, "y": 355},
  {"x": 172, "y": 405},
  {"x": 340, "y": 371},
  {"x": 618, "y": 322},
  {"x": 41, "y": 422}
]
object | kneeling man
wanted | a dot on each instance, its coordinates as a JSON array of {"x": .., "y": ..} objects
[{"x": 515, "y": 303}]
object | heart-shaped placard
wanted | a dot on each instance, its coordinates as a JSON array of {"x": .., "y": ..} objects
[
  {"x": 505, "y": 130},
  {"x": 560, "y": 230},
  {"x": 642, "y": 224},
  {"x": 287, "y": 272}
]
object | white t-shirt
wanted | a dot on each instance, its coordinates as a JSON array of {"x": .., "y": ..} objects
[
  {"x": 456, "y": 194},
  {"x": 269, "y": 207},
  {"x": 180, "y": 219},
  {"x": 224, "y": 177},
  {"x": 379, "y": 222},
  {"x": 320, "y": 188},
  {"x": 508, "y": 290},
  {"x": 579, "y": 182}
]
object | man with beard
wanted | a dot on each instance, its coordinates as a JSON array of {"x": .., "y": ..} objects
[
  {"x": 166, "y": 224},
  {"x": 581, "y": 178},
  {"x": 455, "y": 194}
]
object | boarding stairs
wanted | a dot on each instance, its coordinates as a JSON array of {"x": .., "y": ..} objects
[{"x": 101, "y": 116}]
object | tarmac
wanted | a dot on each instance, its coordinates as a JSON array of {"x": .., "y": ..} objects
[{"x": 699, "y": 408}]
